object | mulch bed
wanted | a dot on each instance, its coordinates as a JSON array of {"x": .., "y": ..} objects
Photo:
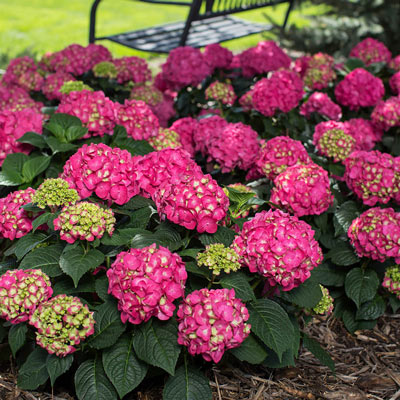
[{"x": 367, "y": 367}]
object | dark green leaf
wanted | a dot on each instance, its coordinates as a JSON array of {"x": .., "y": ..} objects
[
  {"x": 372, "y": 309},
  {"x": 140, "y": 218},
  {"x": 308, "y": 294},
  {"x": 192, "y": 267},
  {"x": 41, "y": 220},
  {"x": 239, "y": 197},
  {"x": 321, "y": 221},
  {"x": 394, "y": 302},
  {"x": 108, "y": 327},
  {"x": 223, "y": 235},
  {"x": 17, "y": 337},
  {"x": 10, "y": 179},
  {"x": 34, "y": 139},
  {"x": 56, "y": 366},
  {"x": 58, "y": 147},
  {"x": 64, "y": 121},
  {"x": 14, "y": 163},
  {"x": 33, "y": 372},
  {"x": 45, "y": 258},
  {"x": 238, "y": 281},
  {"x": 190, "y": 253},
  {"x": 120, "y": 237},
  {"x": 75, "y": 263},
  {"x": 346, "y": 214},
  {"x": 91, "y": 382},
  {"x": 318, "y": 352},
  {"x": 34, "y": 166},
  {"x": 137, "y": 202},
  {"x": 328, "y": 276},
  {"x": 251, "y": 351},
  {"x": 343, "y": 255},
  {"x": 361, "y": 285},
  {"x": 167, "y": 237},
  {"x": 353, "y": 63},
  {"x": 86, "y": 285},
  {"x": 122, "y": 367},
  {"x": 101, "y": 286},
  {"x": 156, "y": 343},
  {"x": 75, "y": 133},
  {"x": 28, "y": 242}
]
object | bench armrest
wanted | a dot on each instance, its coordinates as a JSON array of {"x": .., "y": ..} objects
[{"x": 167, "y": 2}]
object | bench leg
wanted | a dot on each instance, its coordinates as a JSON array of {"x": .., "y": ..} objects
[
  {"x": 291, "y": 4},
  {"x": 92, "y": 23},
  {"x": 193, "y": 13}
]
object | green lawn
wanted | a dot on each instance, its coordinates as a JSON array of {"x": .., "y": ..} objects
[{"x": 39, "y": 26}]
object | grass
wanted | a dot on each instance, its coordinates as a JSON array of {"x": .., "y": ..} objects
[{"x": 39, "y": 26}]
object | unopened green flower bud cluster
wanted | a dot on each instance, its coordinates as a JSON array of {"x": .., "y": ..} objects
[
  {"x": 55, "y": 193},
  {"x": 105, "y": 69},
  {"x": 325, "y": 305},
  {"x": 336, "y": 144},
  {"x": 391, "y": 280},
  {"x": 74, "y": 86},
  {"x": 219, "y": 258}
]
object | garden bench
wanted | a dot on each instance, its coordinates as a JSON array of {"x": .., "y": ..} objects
[{"x": 208, "y": 21}]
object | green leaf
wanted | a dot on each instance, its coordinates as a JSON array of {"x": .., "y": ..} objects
[
  {"x": 353, "y": 63},
  {"x": 192, "y": 253},
  {"x": 223, "y": 235},
  {"x": 34, "y": 166},
  {"x": 372, "y": 309},
  {"x": 308, "y": 294},
  {"x": 86, "y": 285},
  {"x": 140, "y": 218},
  {"x": 17, "y": 337},
  {"x": 251, "y": 351},
  {"x": 33, "y": 372},
  {"x": 75, "y": 263},
  {"x": 342, "y": 255},
  {"x": 91, "y": 382},
  {"x": 192, "y": 267},
  {"x": 166, "y": 236},
  {"x": 58, "y": 147},
  {"x": 316, "y": 349},
  {"x": 328, "y": 276},
  {"x": 238, "y": 281},
  {"x": 120, "y": 237},
  {"x": 188, "y": 383},
  {"x": 349, "y": 321},
  {"x": 101, "y": 286},
  {"x": 108, "y": 327},
  {"x": 10, "y": 180},
  {"x": 394, "y": 302},
  {"x": 270, "y": 322},
  {"x": 155, "y": 342},
  {"x": 75, "y": 132},
  {"x": 34, "y": 139},
  {"x": 14, "y": 163},
  {"x": 41, "y": 220},
  {"x": 122, "y": 367},
  {"x": 45, "y": 258},
  {"x": 361, "y": 285},
  {"x": 60, "y": 123},
  {"x": 137, "y": 202},
  {"x": 239, "y": 197},
  {"x": 346, "y": 214},
  {"x": 28, "y": 242},
  {"x": 321, "y": 221},
  {"x": 56, "y": 366}
]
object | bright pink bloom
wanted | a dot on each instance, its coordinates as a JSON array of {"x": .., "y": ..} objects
[
  {"x": 23, "y": 72},
  {"x": 386, "y": 114},
  {"x": 146, "y": 282},
  {"x": 279, "y": 247},
  {"x": 365, "y": 133},
  {"x": 371, "y": 51},
  {"x": 222, "y": 92},
  {"x": 14, "y": 98},
  {"x": 53, "y": 83},
  {"x": 394, "y": 83},
  {"x": 186, "y": 128},
  {"x": 321, "y": 103},
  {"x": 217, "y": 56},
  {"x": 206, "y": 128},
  {"x": 395, "y": 63},
  {"x": 246, "y": 101},
  {"x": 133, "y": 69}
]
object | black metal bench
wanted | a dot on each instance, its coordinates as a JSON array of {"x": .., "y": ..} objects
[{"x": 208, "y": 21}]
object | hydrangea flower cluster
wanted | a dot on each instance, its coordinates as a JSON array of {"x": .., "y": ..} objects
[
  {"x": 265, "y": 57},
  {"x": 13, "y": 125},
  {"x": 54, "y": 82},
  {"x": 386, "y": 114},
  {"x": 376, "y": 234},
  {"x": 62, "y": 323},
  {"x": 146, "y": 282},
  {"x": 395, "y": 63},
  {"x": 394, "y": 83},
  {"x": 84, "y": 221},
  {"x": 54, "y": 192},
  {"x": 184, "y": 66},
  {"x": 133, "y": 69},
  {"x": 234, "y": 146},
  {"x": 137, "y": 118},
  {"x": 282, "y": 91},
  {"x": 371, "y": 51},
  {"x": 211, "y": 322},
  {"x": 391, "y": 280},
  {"x": 158, "y": 167},
  {"x": 279, "y": 153},
  {"x": 358, "y": 89},
  {"x": 74, "y": 86},
  {"x": 186, "y": 128},
  {"x": 280, "y": 247},
  {"x": 194, "y": 201},
  {"x": 21, "y": 291},
  {"x": 219, "y": 258},
  {"x": 165, "y": 139},
  {"x": 105, "y": 69},
  {"x": 23, "y": 72},
  {"x": 217, "y": 56},
  {"x": 325, "y": 305},
  {"x": 321, "y": 103},
  {"x": 222, "y": 92},
  {"x": 373, "y": 176},
  {"x": 15, "y": 222},
  {"x": 165, "y": 110},
  {"x": 94, "y": 109},
  {"x": 149, "y": 94},
  {"x": 207, "y": 128},
  {"x": 303, "y": 190},
  {"x": 246, "y": 101},
  {"x": 107, "y": 172},
  {"x": 365, "y": 133},
  {"x": 14, "y": 98}
]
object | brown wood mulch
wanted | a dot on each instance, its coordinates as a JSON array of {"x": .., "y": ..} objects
[{"x": 367, "y": 367}]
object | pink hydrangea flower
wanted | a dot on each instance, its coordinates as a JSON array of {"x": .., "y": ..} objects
[
  {"x": 149, "y": 94},
  {"x": 279, "y": 247},
  {"x": 15, "y": 222},
  {"x": 184, "y": 66},
  {"x": 53, "y": 83},
  {"x": 234, "y": 146},
  {"x": 211, "y": 322},
  {"x": 146, "y": 282},
  {"x": 21, "y": 291},
  {"x": 394, "y": 83},
  {"x": 391, "y": 280},
  {"x": 217, "y": 56},
  {"x": 365, "y": 133},
  {"x": 14, "y": 98},
  {"x": 395, "y": 63},
  {"x": 246, "y": 101},
  {"x": 279, "y": 153},
  {"x": 265, "y": 57},
  {"x": 13, "y": 125},
  {"x": 206, "y": 128},
  {"x": 281, "y": 92},
  {"x": 321, "y": 103},
  {"x": 133, "y": 69},
  {"x": 137, "y": 118},
  {"x": 62, "y": 323},
  {"x": 371, "y": 51},
  {"x": 186, "y": 127},
  {"x": 358, "y": 89},
  {"x": 303, "y": 190},
  {"x": 194, "y": 201},
  {"x": 94, "y": 109},
  {"x": 159, "y": 167},
  {"x": 386, "y": 114},
  {"x": 376, "y": 234},
  {"x": 108, "y": 172},
  {"x": 373, "y": 176},
  {"x": 222, "y": 92},
  {"x": 23, "y": 72},
  {"x": 165, "y": 110},
  {"x": 165, "y": 139}
]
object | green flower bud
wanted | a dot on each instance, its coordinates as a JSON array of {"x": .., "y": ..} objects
[
  {"x": 219, "y": 258},
  {"x": 55, "y": 192}
]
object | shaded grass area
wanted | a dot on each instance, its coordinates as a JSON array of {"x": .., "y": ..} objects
[{"x": 39, "y": 26}]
